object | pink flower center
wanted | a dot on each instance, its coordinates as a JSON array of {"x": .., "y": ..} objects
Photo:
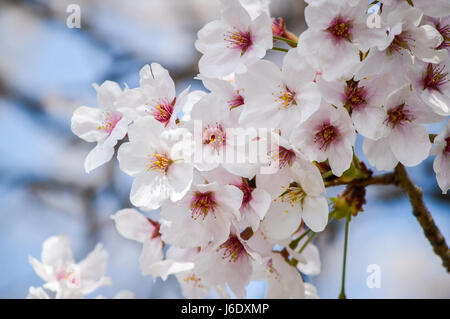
[
  {"x": 239, "y": 40},
  {"x": 232, "y": 249},
  {"x": 355, "y": 96},
  {"x": 156, "y": 226},
  {"x": 110, "y": 121},
  {"x": 285, "y": 97},
  {"x": 215, "y": 136},
  {"x": 285, "y": 157},
  {"x": 325, "y": 135},
  {"x": 202, "y": 204},
  {"x": 159, "y": 163},
  {"x": 400, "y": 42},
  {"x": 445, "y": 32},
  {"x": 434, "y": 77},
  {"x": 447, "y": 145},
  {"x": 66, "y": 275},
  {"x": 162, "y": 111},
  {"x": 341, "y": 29},
  {"x": 237, "y": 100},
  {"x": 247, "y": 191},
  {"x": 397, "y": 116}
]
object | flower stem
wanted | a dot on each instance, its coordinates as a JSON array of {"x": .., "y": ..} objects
[
  {"x": 288, "y": 41},
  {"x": 295, "y": 242},
  {"x": 280, "y": 49},
  {"x": 306, "y": 243},
  {"x": 344, "y": 262}
]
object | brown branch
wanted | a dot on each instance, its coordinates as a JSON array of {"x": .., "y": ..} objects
[
  {"x": 423, "y": 216},
  {"x": 386, "y": 179},
  {"x": 401, "y": 179}
]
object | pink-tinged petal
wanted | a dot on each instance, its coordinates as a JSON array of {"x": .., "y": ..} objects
[
  {"x": 86, "y": 122},
  {"x": 98, "y": 156},
  {"x": 368, "y": 121},
  {"x": 56, "y": 251},
  {"x": 340, "y": 158},
  {"x": 180, "y": 177},
  {"x": 93, "y": 270},
  {"x": 315, "y": 212},
  {"x": 145, "y": 129},
  {"x": 156, "y": 82},
  {"x": 281, "y": 221},
  {"x": 230, "y": 198},
  {"x": 149, "y": 190},
  {"x": 410, "y": 144},
  {"x": 260, "y": 203},
  {"x": 441, "y": 166},
  {"x": 46, "y": 272},
  {"x": 261, "y": 30},
  {"x": 132, "y": 157},
  {"x": 379, "y": 154},
  {"x": 107, "y": 94},
  {"x": 152, "y": 252},
  {"x": 133, "y": 225},
  {"x": 308, "y": 176},
  {"x": 235, "y": 15}
]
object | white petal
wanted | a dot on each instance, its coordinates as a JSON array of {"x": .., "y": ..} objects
[
  {"x": 410, "y": 144},
  {"x": 315, "y": 212},
  {"x": 379, "y": 154},
  {"x": 133, "y": 225}
]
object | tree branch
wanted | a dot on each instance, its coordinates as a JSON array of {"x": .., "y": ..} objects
[
  {"x": 423, "y": 216},
  {"x": 386, "y": 179}
]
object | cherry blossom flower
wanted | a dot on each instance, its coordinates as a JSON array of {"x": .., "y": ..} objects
[
  {"x": 301, "y": 200},
  {"x": 363, "y": 99},
  {"x": 441, "y": 164},
  {"x": 192, "y": 284},
  {"x": 283, "y": 280},
  {"x": 230, "y": 44},
  {"x": 442, "y": 25},
  {"x": 61, "y": 273},
  {"x": 278, "y": 99},
  {"x": 432, "y": 83},
  {"x": 327, "y": 134},
  {"x": 404, "y": 138},
  {"x": 337, "y": 32},
  {"x": 406, "y": 38},
  {"x": 158, "y": 97},
  {"x": 105, "y": 125},
  {"x": 231, "y": 262},
  {"x": 281, "y": 156},
  {"x": 133, "y": 225},
  {"x": 205, "y": 214},
  {"x": 159, "y": 160},
  {"x": 255, "y": 201}
]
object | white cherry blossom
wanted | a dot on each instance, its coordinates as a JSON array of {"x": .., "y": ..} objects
[
  {"x": 105, "y": 125},
  {"x": 327, "y": 134},
  {"x": 159, "y": 160},
  {"x": 62, "y": 274},
  {"x": 230, "y": 44},
  {"x": 205, "y": 214}
]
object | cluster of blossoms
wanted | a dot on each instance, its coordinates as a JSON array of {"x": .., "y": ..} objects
[
  {"x": 230, "y": 222},
  {"x": 66, "y": 279}
]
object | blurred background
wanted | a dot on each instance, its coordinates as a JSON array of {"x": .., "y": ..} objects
[{"x": 47, "y": 70}]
